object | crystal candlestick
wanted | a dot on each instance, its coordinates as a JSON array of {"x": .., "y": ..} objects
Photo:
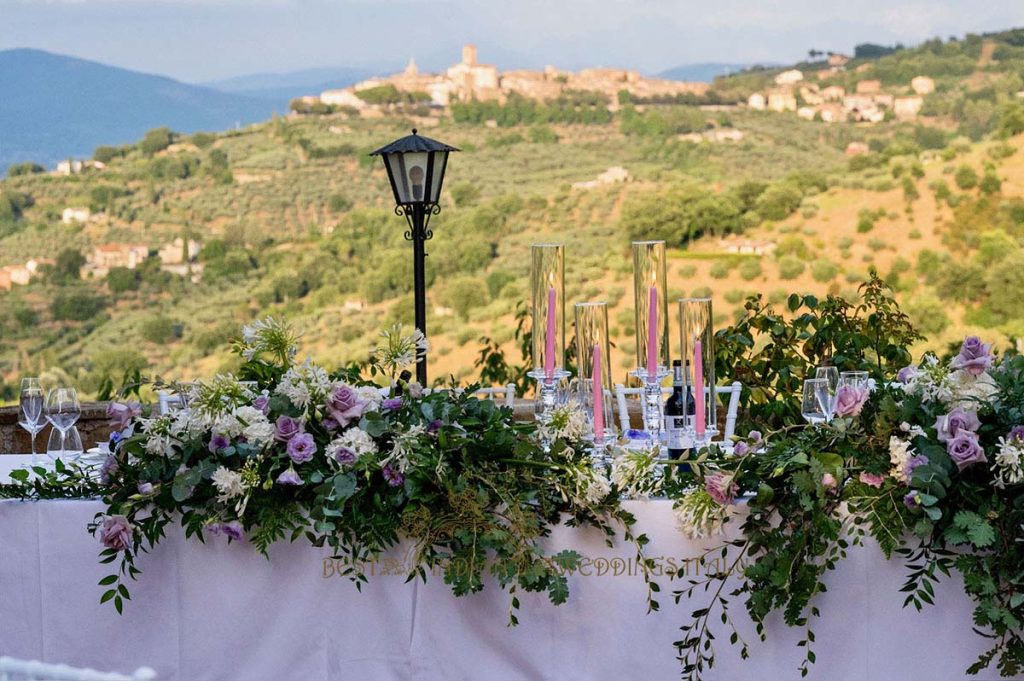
[
  {"x": 653, "y": 400},
  {"x": 547, "y": 283}
]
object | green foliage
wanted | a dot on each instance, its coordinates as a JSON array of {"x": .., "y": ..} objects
[
  {"x": 465, "y": 194},
  {"x": 389, "y": 94},
  {"x": 680, "y": 214},
  {"x": 122, "y": 279},
  {"x": 928, "y": 314},
  {"x": 790, "y": 267},
  {"x": 779, "y": 201},
  {"x": 572, "y": 107},
  {"x": 824, "y": 270},
  {"x": 156, "y": 140},
  {"x": 160, "y": 329},
  {"x": 25, "y": 168},
  {"x": 966, "y": 177},
  {"x": 76, "y": 304},
  {"x": 68, "y": 267},
  {"x": 750, "y": 269}
]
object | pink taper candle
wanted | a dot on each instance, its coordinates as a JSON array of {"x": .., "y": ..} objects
[
  {"x": 549, "y": 339},
  {"x": 698, "y": 390},
  {"x": 652, "y": 336},
  {"x": 598, "y": 397}
]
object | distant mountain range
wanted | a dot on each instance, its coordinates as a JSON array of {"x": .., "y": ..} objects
[
  {"x": 282, "y": 87},
  {"x": 53, "y": 107},
  {"x": 703, "y": 73}
]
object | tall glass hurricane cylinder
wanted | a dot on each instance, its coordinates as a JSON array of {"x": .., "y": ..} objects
[
  {"x": 595, "y": 374},
  {"x": 650, "y": 296},
  {"x": 548, "y": 290},
  {"x": 697, "y": 342}
]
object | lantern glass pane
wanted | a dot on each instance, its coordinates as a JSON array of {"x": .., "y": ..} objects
[{"x": 440, "y": 160}]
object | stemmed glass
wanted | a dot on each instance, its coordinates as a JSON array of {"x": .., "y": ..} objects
[
  {"x": 816, "y": 405},
  {"x": 30, "y": 410},
  {"x": 854, "y": 379},
  {"x": 830, "y": 374},
  {"x": 62, "y": 411}
]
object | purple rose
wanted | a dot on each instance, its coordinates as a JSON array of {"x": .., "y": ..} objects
[
  {"x": 434, "y": 426},
  {"x": 913, "y": 463},
  {"x": 232, "y": 530},
  {"x": 721, "y": 487},
  {"x": 912, "y": 500},
  {"x": 301, "y": 448},
  {"x": 975, "y": 357},
  {"x": 289, "y": 477},
  {"x": 344, "y": 405},
  {"x": 262, "y": 403},
  {"x": 345, "y": 455},
  {"x": 907, "y": 374},
  {"x": 108, "y": 468},
  {"x": 329, "y": 424},
  {"x": 218, "y": 442},
  {"x": 850, "y": 400},
  {"x": 116, "y": 533},
  {"x": 145, "y": 488},
  {"x": 755, "y": 436},
  {"x": 121, "y": 415},
  {"x": 1016, "y": 433},
  {"x": 964, "y": 449},
  {"x": 286, "y": 428},
  {"x": 946, "y": 427},
  {"x": 741, "y": 448},
  {"x": 394, "y": 477},
  {"x": 391, "y": 404}
]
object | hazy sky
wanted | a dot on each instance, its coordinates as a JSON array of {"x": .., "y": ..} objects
[{"x": 197, "y": 40}]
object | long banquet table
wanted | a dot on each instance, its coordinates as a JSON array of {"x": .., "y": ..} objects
[{"x": 222, "y": 612}]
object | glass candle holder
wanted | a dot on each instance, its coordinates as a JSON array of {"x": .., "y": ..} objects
[
  {"x": 650, "y": 302},
  {"x": 547, "y": 281},
  {"x": 593, "y": 349},
  {"x": 697, "y": 344}
]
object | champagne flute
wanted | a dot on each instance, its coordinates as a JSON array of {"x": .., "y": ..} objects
[
  {"x": 30, "y": 410},
  {"x": 62, "y": 411},
  {"x": 813, "y": 408}
]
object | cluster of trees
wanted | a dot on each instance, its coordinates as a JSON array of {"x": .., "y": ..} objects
[
  {"x": 588, "y": 108},
  {"x": 662, "y": 122},
  {"x": 301, "y": 105},
  {"x": 683, "y": 212},
  {"x": 388, "y": 95},
  {"x": 26, "y": 168},
  {"x": 712, "y": 96}
]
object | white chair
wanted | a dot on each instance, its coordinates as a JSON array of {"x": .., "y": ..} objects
[
  {"x": 507, "y": 391},
  {"x": 733, "y": 390},
  {"x": 23, "y": 670},
  {"x": 168, "y": 402}
]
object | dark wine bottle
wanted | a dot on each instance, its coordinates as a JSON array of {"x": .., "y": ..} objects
[{"x": 676, "y": 412}]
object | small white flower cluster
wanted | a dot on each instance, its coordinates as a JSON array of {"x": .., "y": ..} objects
[
  {"x": 371, "y": 395},
  {"x": 936, "y": 382},
  {"x": 699, "y": 516},
  {"x": 900, "y": 454},
  {"x": 305, "y": 385},
  {"x": 399, "y": 350},
  {"x": 217, "y": 397},
  {"x": 355, "y": 440},
  {"x": 271, "y": 336},
  {"x": 1007, "y": 466},
  {"x": 229, "y": 483},
  {"x": 568, "y": 422},
  {"x": 162, "y": 433},
  {"x": 637, "y": 473},
  {"x": 402, "y": 448}
]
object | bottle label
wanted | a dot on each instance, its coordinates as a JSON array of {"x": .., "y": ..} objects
[{"x": 675, "y": 428}]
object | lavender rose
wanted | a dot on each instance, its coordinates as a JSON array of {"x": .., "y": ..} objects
[
  {"x": 964, "y": 449},
  {"x": 218, "y": 442},
  {"x": 262, "y": 403},
  {"x": 946, "y": 427},
  {"x": 1016, "y": 433},
  {"x": 116, "y": 533},
  {"x": 741, "y": 448},
  {"x": 755, "y": 436},
  {"x": 721, "y": 487},
  {"x": 850, "y": 400},
  {"x": 391, "y": 404},
  {"x": 907, "y": 374},
  {"x": 434, "y": 426},
  {"x": 301, "y": 448},
  {"x": 108, "y": 469},
  {"x": 344, "y": 404},
  {"x": 289, "y": 477},
  {"x": 975, "y": 357},
  {"x": 286, "y": 427},
  {"x": 146, "y": 488},
  {"x": 121, "y": 415},
  {"x": 232, "y": 530},
  {"x": 912, "y": 500}
]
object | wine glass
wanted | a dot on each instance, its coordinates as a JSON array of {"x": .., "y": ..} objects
[
  {"x": 30, "y": 410},
  {"x": 62, "y": 411},
  {"x": 816, "y": 403},
  {"x": 854, "y": 379},
  {"x": 830, "y": 374}
]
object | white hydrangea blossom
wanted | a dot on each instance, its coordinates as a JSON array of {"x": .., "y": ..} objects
[
  {"x": 255, "y": 427},
  {"x": 228, "y": 483},
  {"x": 1007, "y": 466},
  {"x": 305, "y": 385},
  {"x": 355, "y": 439},
  {"x": 900, "y": 453},
  {"x": 371, "y": 396}
]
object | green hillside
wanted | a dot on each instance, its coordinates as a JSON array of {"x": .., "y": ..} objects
[{"x": 295, "y": 219}]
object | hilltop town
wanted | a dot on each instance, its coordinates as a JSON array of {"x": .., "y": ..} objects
[{"x": 470, "y": 80}]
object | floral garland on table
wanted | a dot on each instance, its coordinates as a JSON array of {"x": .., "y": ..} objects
[
  {"x": 929, "y": 465},
  {"x": 327, "y": 457}
]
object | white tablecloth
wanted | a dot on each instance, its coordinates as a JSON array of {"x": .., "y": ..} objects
[{"x": 220, "y": 612}]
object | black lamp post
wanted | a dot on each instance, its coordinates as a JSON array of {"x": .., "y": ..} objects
[{"x": 415, "y": 168}]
